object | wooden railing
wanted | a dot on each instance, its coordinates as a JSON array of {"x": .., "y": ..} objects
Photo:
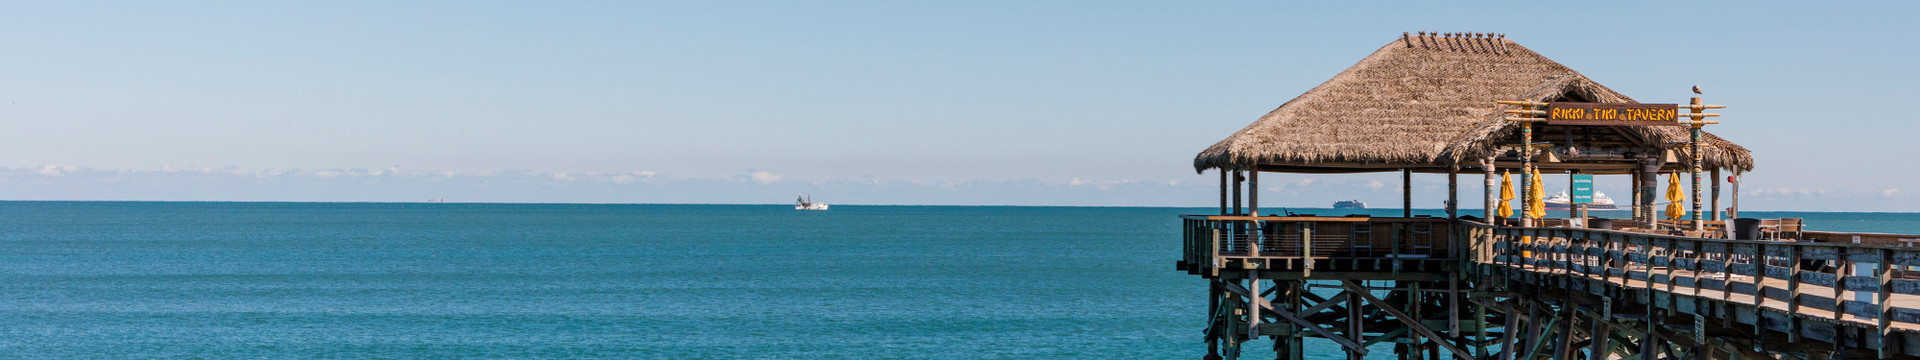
[
  {"x": 1875, "y": 286},
  {"x": 1296, "y": 242}
]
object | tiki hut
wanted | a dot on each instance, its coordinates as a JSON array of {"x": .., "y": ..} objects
[{"x": 1427, "y": 104}]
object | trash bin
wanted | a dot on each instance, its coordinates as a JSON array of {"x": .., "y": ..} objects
[{"x": 1746, "y": 229}]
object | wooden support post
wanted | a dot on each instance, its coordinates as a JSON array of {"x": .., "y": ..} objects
[
  {"x": 1650, "y": 341},
  {"x": 1759, "y": 289},
  {"x": 1306, "y": 249},
  {"x": 1884, "y": 298},
  {"x": 1253, "y": 192},
  {"x": 1480, "y": 329},
  {"x": 1536, "y": 333},
  {"x": 1223, "y": 191},
  {"x": 1526, "y": 170},
  {"x": 1254, "y": 304},
  {"x": 1453, "y": 305},
  {"x": 1564, "y": 349},
  {"x": 1237, "y": 178},
  {"x": 1534, "y": 326},
  {"x": 1734, "y": 211},
  {"x": 1406, "y": 192},
  {"x": 1213, "y": 309},
  {"x": 1793, "y": 294},
  {"x": 1413, "y": 311},
  {"x": 1491, "y": 193},
  {"x": 1649, "y": 180},
  {"x": 1453, "y": 192},
  {"x": 1573, "y": 210},
  {"x": 1840, "y": 270},
  {"x": 1355, "y": 323},
  {"x": 1633, "y": 182},
  {"x": 1694, "y": 167},
  {"x": 1601, "y": 336},
  {"x": 1716, "y": 194},
  {"x": 1510, "y": 331},
  {"x": 1213, "y": 265},
  {"x": 1295, "y": 348}
]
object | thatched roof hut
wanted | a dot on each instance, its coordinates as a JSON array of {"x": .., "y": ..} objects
[{"x": 1427, "y": 103}]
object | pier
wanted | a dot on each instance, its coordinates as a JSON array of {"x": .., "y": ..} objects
[
  {"x": 1683, "y": 283},
  {"x": 1480, "y": 291}
]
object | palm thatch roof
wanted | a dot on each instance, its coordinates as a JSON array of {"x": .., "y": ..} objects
[{"x": 1426, "y": 103}]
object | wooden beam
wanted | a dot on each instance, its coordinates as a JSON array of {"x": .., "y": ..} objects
[
  {"x": 1508, "y": 333},
  {"x": 1415, "y": 324},
  {"x": 1533, "y": 329},
  {"x": 1350, "y": 345},
  {"x": 1323, "y": 305},
  {"x": 1564, "y": 349},
  {"x": 1601, "y": 335}
]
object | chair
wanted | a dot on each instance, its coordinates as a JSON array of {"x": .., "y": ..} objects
[
  {"x": 1792, "y": 225},
  {"x": 1769, "y": 229}
]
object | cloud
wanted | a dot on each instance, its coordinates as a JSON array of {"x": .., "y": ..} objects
[
  {"x": 57, "y": 170},
  {"x": 1375, "y": 184},
  {"x": 1889, "y": 192},
  {"x": 765, "y": 177},
  {"x": 631, "y": 177},
  {"x": 1076, "y": 182}
]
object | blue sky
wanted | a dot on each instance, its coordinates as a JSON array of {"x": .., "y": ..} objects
[{"x": 1040, "y": 103}]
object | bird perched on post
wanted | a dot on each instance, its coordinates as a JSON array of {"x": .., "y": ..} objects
[{"x": 1696, "y": 89}]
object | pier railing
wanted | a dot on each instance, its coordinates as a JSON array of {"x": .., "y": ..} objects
[
  {"x": 1788, "y": 283},
  {"x": 1213, "y": 242}
]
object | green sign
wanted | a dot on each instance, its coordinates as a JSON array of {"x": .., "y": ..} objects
[{"x": 1582, "y": 189}]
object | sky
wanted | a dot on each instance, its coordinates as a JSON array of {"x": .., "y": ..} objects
[{"x": 969, "y": 103}]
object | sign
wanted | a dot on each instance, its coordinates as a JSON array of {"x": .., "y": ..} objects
[
  {"x": 1582, "y": 189},
  {"x": 1576, "y": 113}
]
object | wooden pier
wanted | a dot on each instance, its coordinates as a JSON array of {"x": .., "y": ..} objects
[
  {"x": 1509, "y": 285},
  {"x": 1476, "y": 291}
]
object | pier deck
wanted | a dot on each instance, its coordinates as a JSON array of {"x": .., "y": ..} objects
[{"x": 1478, "y": 291}]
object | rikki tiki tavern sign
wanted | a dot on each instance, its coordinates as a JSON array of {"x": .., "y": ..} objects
[{"x": 1579, "y": 113}]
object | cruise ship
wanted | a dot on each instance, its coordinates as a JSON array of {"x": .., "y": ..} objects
[{"x": 1349, "y": 204}]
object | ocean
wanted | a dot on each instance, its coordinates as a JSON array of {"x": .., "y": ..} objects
[{"x": 395, "y": 280}]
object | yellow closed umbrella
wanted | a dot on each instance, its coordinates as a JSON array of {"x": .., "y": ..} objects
[
  {"x": 1537, "y": 198},
  {"x": 1506, "y": 195},
  {"x": 1674, "y": 197}
]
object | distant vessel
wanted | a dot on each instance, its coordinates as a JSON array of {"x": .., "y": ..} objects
[
  {"x": 1563, "y": 202},
  {"x": 806, "y": 203},
  {"x": 1349, "y": 204}
]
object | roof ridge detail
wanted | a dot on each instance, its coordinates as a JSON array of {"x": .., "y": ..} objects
[{"x": 1487, "y": 43}]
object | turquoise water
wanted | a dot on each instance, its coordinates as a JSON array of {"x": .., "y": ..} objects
[{"x": 306, "y": 280}]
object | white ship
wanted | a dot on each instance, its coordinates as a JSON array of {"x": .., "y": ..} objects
[
  {"x": 806, "y": 203},
  {"x": 1563, "y": 202}
]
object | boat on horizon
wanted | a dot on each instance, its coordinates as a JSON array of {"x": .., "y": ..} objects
[
  {"x": 1349, "y": 204},
  {"x": 805, "y": 202},
  {"x": 1563, "y": 202}
]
